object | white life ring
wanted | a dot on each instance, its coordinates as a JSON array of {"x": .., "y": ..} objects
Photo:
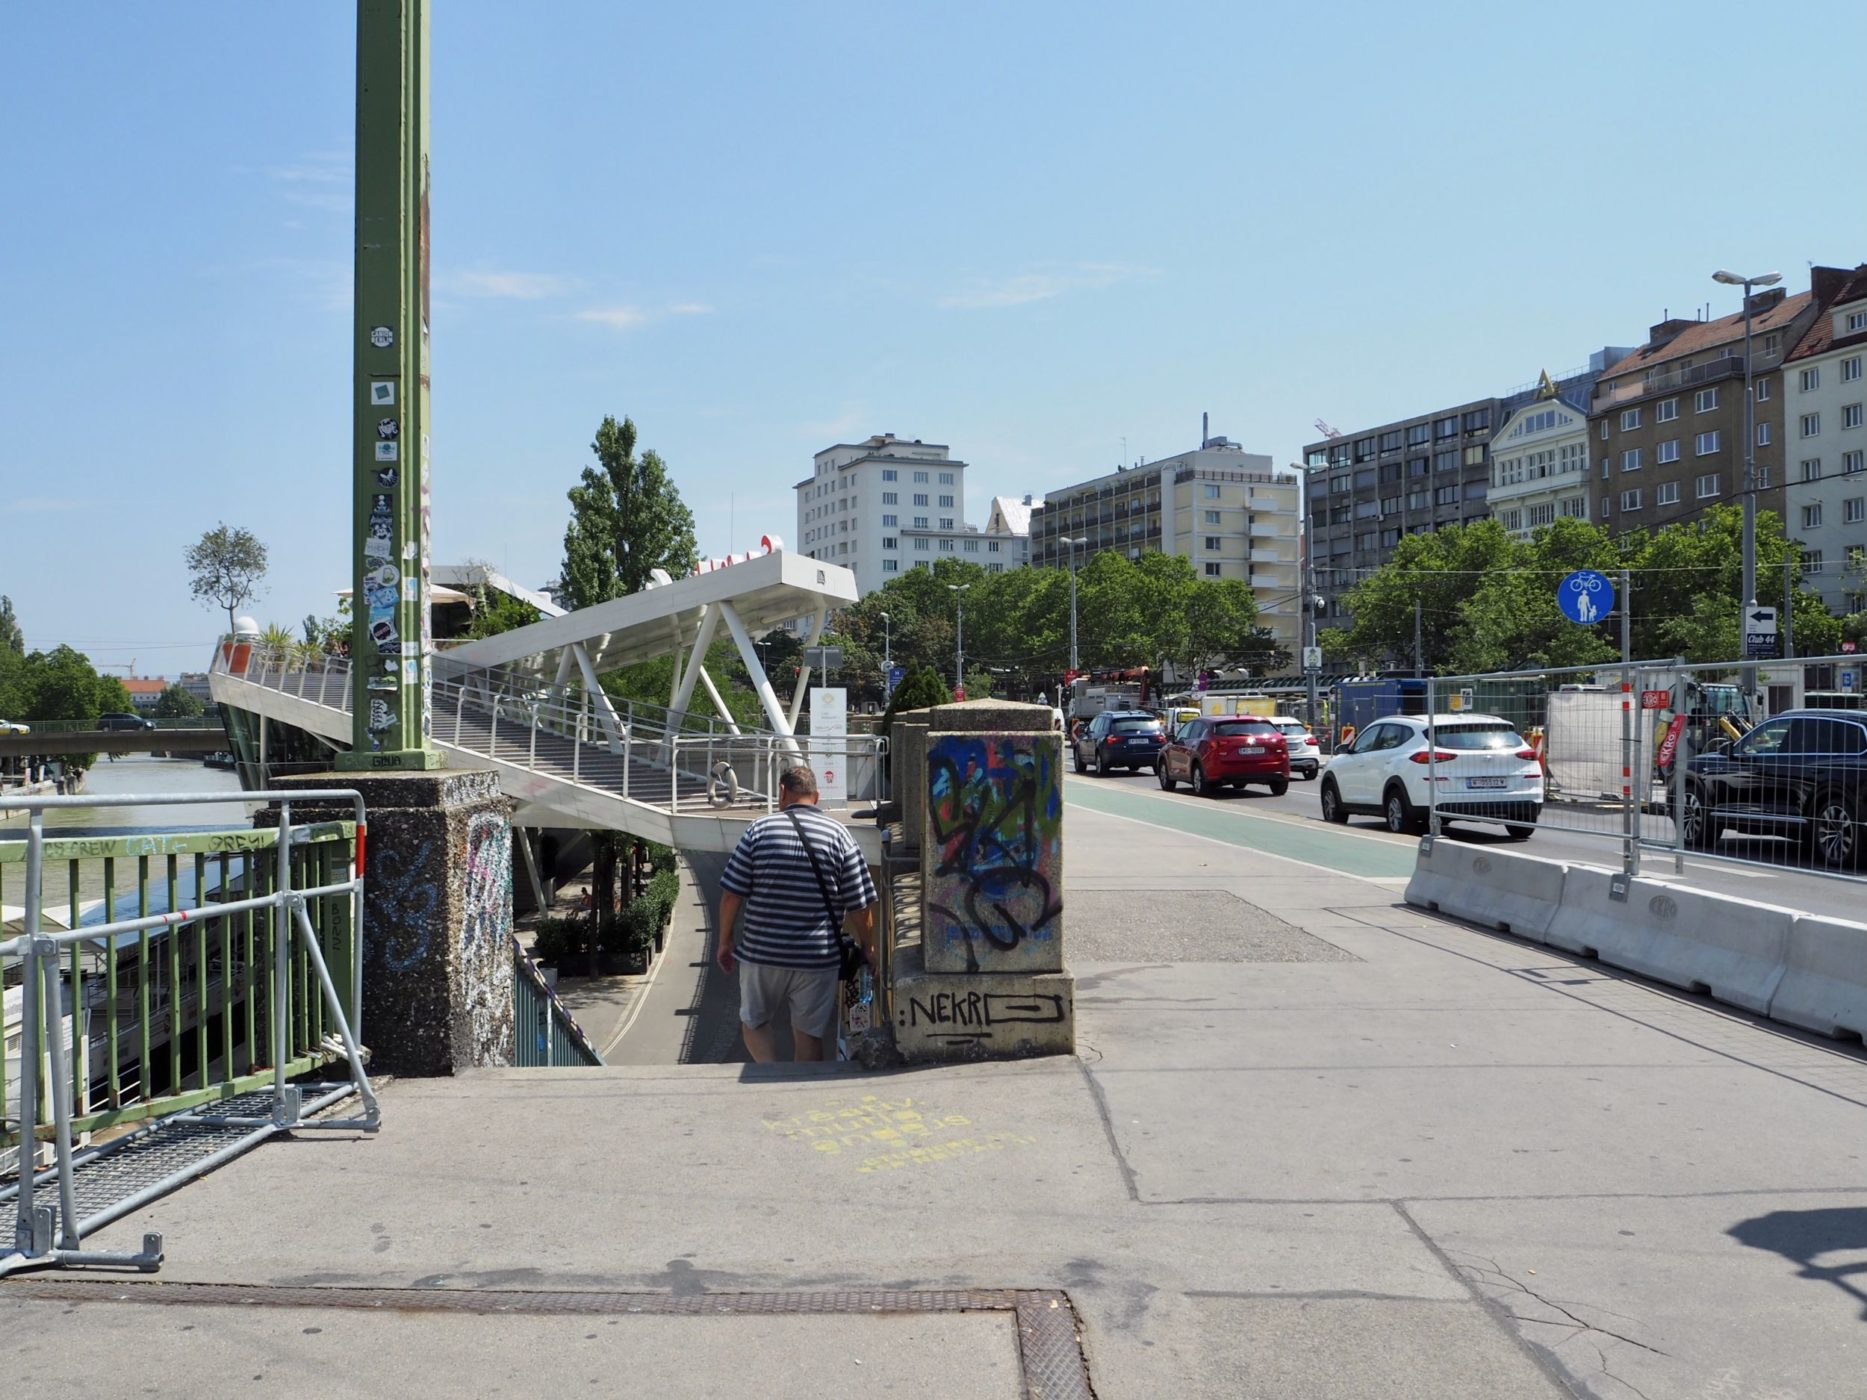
[{"x": 722, "y": 785}]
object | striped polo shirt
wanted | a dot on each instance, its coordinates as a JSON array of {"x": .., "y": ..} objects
[{"x": 784, "y": 923}]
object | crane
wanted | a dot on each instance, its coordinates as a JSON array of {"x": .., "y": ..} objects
[{"x": 1326, "y": 430}]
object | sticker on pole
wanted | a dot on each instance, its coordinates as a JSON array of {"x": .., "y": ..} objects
[
  {"x": 382, "y": 337},
  {"x": 1585, "y": 596}
]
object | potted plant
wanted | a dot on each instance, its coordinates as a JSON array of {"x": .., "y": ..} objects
[
  {"x": 627, "y": 939},
  {"x": 553, "y": 941}
]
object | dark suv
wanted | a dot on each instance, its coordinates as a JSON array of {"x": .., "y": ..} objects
[
  {"x": 1802, "y": 775},
  {"x": 119, "y": 720},
  {"x": 1128, "y": 739}
]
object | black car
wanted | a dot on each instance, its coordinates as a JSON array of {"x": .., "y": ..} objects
[
  {"x": 1801, "y": 775},
  {"x": 119, "y": 720},
  {"x": 1114, "y": 739}
]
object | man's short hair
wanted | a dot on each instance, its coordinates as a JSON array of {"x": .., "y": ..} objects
[{"x": 798, "y": 780}]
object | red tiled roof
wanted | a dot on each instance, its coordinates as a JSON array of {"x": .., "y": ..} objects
[
  {"x": 1820, "y": 336},
  {"x": 143, "y": 685},
  {"x": 1705, "y": 335}
]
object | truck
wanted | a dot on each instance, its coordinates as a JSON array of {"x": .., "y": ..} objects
[{"x": 1091, "y": 694}]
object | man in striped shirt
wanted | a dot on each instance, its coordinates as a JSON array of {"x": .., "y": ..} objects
[{"x": 785, "y": 946}]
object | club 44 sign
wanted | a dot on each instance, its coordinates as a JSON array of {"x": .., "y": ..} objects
[{"x": 1759, "y": 633}]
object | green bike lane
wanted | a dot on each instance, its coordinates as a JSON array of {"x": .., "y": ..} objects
[{"x": 1341, "y": 849}]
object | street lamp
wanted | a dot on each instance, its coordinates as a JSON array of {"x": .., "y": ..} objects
[
  {"x": 888, "y": 662},
  {"x": 1073, "y": 543},
  {"x": 1749, "y": 599},
  {"x": 958, "y": 590}
]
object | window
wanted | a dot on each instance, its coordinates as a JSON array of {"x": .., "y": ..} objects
[
  {"x": 1475, "y": 455},
  {"x": 1478, "y": 420},
  {"x": 1212, "y": 517},
  {"x": 890, "y": 474},
  {"x": 1811, "y": 425},
  {"x": 1668, "y": 451},
  {"x": 1630, "y": 460},
  {"x": 891, "y": 566},
  {"x": 1857, "y": 321},
  {"x": 891, "y": 520},
  {"x": 1446, "y": 461},
  {"x": 1212, "y": 571},
  {"x": 1811, "y": 468},
  {"x": 1854, "y": 509},
  {"x": 946, "y": 478},
  {"x": 972, "y": 546},
  {"x": 889, "y": 498},
  {"x": 1850, "y": 462},
  {"x": 1630, "y": 418},
  {"x": 946, "y": 522},
  {"x": 1850, "y": 415},
  {"x": 1604, "y": 430},
  {"x": 991, "y": 546},
  {"x": 1763, "y": 390},
  {"x": 920, "y": 478},
  {"x": 1668, "y": 494},
  {"x": 1812, "y": 516},
  {"x": 1707, "y": 443},
  {"x": 1390, "y": 442},
  {"x": 1763, "y": 434},
  {"x": 946, "y": 546},
  {"x": 1419, "y": 434},
  {"x": 1850, "y": 369},
  {"x": 889, "y": 542},
  {"x": 921, "y": 544},
  {"x": 1810, "y": 379},
  {"x": 1211, "y": 541},
  {"x": 920, "y": 522},
  {"x": 1811, "y": 561},
  {"x": 920, "y": 498},
  {"x": 1446, "y": 427},
  {"x": 1706, "y": 487},
  {"x": 1607, "y": 506},
  {"x": 1630, "y": 500},
  {"x": 1667, "y": 410},
  {"x": 1446, "y": 496},
  {"x": 947, "y": 501},
  {"x": 1575, "y": 507},
  {"x": 1211, "y": 491},
  {"x": 1705, "y": 400}
]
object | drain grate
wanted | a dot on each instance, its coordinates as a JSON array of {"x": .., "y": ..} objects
[{"x": 1050, "y": 1349}]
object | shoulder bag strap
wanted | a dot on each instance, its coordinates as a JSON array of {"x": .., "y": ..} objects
[{"x": 823, "y": 887}]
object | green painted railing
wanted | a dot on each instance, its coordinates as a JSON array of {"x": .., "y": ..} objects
[
  {"x": 172, "y": 1018},
  {"x": 544, "y": 1033}
]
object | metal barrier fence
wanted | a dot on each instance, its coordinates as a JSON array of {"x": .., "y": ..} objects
[
  {"x": 1771, "y": 772},
  {"x": 169, "y": 994},
  {"x": 544, "y": 1033}
]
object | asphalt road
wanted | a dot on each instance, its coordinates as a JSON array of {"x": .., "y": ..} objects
[{"x": 1292, "y": 825}]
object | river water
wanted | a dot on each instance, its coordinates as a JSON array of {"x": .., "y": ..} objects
[{"x": 137, "y": 775}]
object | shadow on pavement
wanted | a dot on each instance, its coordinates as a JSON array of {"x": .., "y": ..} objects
[{"x": 1804, "y": 1236}]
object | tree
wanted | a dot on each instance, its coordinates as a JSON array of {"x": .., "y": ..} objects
[
  {"x": 176, "y": 703},
  {"x": 226, "y": 567},
  {"x": 921, "y": 688},
  {"x": 627, "y": 519},
  {"x": 12, "y": 636}
]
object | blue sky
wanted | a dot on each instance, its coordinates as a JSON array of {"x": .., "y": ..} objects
[{"x": 1030, "y": 231}]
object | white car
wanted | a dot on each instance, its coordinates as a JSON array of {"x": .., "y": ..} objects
[
  {"x": 1483, "y": 769},
  {"x": 1305, "y": 752}
]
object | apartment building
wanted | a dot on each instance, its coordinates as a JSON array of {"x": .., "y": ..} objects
[
  {"x": 1010, "y": 523},
  {"x": 1825, "y": 441},
  {"x": 1219, "y": 506},
  {"x": 1539, "y": 461},
  {"x": 1666, "y": 425}
]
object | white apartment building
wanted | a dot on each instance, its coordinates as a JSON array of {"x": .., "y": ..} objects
[
  {"x": 1825, "y": 445},
  {"x": 880, "y": 506},
  {"x": 1539, "y": 465}
]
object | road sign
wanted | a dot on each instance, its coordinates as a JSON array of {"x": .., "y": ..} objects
[
  {"x": 1847, "y": 646},
  {"x": 1656, "y": 699},
  {"x": 1585, "y": 596},
  {"x": 1759, "y": 632},
  {"x": 896, "y": 675},
  {"x": 1312, "y": 658},
  {"x": 1848, "y": 678},
  {"x": 959, "y": 692}
]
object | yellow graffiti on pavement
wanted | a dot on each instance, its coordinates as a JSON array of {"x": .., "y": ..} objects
[{"x": 877, "y": 1134}]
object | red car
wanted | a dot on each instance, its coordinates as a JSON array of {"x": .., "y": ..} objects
[{"x": 1211, "y": 754}]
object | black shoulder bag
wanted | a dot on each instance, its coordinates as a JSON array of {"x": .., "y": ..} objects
[{"x": 850, "y": 959}]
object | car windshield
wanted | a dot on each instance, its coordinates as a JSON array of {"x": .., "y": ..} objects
[
  {"x": 1136, "y": 726},
  {"x": 1295, "y": 731},
  {"x": 1477, "y": 736},
  {"x": 1238, "y": 728}
]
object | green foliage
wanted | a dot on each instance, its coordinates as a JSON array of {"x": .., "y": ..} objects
[
  {"x": 60, "y": 684},
  {"x": 627, "y": 519},
  {"x": 494, "y": 610},
  {"x": 12, "y": 635},
  {"x": 227, "y": 568},
  {"x": 176, "y": 703},
  {"x": 920, "y": 688},
  {"x": 1488, "y": 602},
  {"x": 558, "y": 939}
]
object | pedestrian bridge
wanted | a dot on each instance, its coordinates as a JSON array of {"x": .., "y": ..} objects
[{"x": 529, "y": 705}]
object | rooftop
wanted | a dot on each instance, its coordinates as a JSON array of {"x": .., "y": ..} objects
[
  {"x": 1674, "y": 339},
  {"x": 1820, "y": 336}
]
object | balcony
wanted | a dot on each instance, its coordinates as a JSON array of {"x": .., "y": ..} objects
[{"x": 1667, "y": 381}]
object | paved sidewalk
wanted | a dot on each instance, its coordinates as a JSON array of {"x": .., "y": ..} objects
[{"x": 1317, "y": 1146}]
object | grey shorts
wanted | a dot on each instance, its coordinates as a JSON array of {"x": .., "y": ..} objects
[{"x": 808, "y": 992}]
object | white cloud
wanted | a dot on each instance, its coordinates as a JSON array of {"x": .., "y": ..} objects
[
  {"x": 628, "y": 318},
  {"x": 1042, "y": 285},
  {"x": 514, "y": 286}
]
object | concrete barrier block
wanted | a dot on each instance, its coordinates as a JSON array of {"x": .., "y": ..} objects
[
  {"x": 992, "y": 853},
  {"x": 987, "y": 1015},
  {"x": 1730, "y": 948},
  {"x": 1503, "y": 890},
  {"x": 1824, "y": 984}
]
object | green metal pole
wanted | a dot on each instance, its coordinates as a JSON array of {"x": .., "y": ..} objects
[{"x": 390, "y": 641}]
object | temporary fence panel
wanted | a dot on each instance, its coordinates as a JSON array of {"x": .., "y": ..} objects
[{"x": 173, "y": 974}]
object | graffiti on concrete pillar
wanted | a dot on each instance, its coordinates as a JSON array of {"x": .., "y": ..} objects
[
  {"x": 487, "y": 902},
  {"x": 995, "y": 832}
]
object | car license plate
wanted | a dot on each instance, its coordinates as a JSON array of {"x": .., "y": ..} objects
[{"x": 1487, "y": 782}]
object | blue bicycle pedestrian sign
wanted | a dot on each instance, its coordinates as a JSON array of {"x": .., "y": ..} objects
[
  {"x": 896, "y": 675},
  {"x": 1585, "y": 596}
]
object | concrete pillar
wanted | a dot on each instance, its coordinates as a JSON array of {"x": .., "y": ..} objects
[
  {"x": 908, "y": 783},
  {"x": 437, "y": 916}
]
